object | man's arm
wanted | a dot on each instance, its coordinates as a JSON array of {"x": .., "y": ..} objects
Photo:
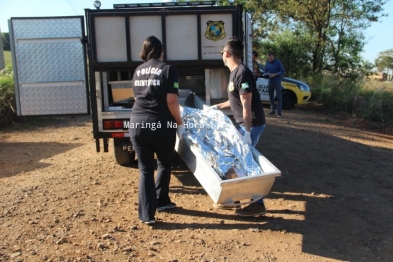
[
  {"x": 223, "y": 105},
  {"x": 280, "y": 68},
  {"x": 247, "y": 115}
]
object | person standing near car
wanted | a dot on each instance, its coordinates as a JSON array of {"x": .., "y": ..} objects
[
  {"x": 244, "y": 102},
  {"x": 255, "y": 67},
  {"x": 155, "y": 85},
  {"x": 274, "y": 71}
]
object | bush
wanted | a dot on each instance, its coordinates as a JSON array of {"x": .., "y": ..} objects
[
  {"x": 352, "y": 96},
  {"x": 7, "y": 96},
  {"x": 376, "y": 105}
]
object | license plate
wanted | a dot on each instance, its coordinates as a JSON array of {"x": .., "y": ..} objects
[{"x": 127, "y": 147}]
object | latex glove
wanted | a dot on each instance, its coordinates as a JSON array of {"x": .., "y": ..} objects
[
  {"x": 214, "y": 107},
  {"x": 247, "y": 138},
  {"x": 180, "y": 131}
]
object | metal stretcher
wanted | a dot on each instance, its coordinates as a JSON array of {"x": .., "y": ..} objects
[{"x": 229, "y": 190}]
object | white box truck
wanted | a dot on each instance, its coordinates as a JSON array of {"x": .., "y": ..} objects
[{"x": 60, "y": 70}]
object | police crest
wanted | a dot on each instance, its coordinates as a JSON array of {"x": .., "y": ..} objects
[{"x": 215, "y": 30}]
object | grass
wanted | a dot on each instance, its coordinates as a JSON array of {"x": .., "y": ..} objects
[
  {"x": 367, "y": 99},
  {"x": 7, "y": 59},
  {"x": 378, "y": 84}
]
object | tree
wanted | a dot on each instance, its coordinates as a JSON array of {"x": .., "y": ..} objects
[
  {"x": 265, "y": 17},
  {"x": 330, "y": 31},
  {"x": 385, "y": 60},
  {"x": 289, "y": 48},
  {"x": 6, "y": 41},
  {"x": 336, "y": 27}
]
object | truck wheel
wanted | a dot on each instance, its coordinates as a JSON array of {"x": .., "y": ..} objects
[
  {"x": 123, "y": 157},
  {"x": 288, "y": 100}
]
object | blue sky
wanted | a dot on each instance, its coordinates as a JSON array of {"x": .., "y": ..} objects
[{"x": 379, "y": 36}]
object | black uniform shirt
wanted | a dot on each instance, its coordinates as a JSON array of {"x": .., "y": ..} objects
[
  {"x": 242, "y": 81},
  {"x": 151, "y": 82}
]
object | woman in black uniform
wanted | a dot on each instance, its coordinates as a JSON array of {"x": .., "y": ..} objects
[{"x": 155, "y": 118}]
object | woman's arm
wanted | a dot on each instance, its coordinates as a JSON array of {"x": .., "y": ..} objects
[{"x": 174, "y": 108}]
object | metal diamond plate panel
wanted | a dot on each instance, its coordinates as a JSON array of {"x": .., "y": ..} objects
[
  {"x": 109, "y": 50},
  {"x": 142, "y": 27},
  {"x": 50, "y": 66},
  {"x": 53, "y": 100},
  {"x": 182, "y": 37},
  {"x": 47, "y": 28},
  {"x": 49, "y": 62}
]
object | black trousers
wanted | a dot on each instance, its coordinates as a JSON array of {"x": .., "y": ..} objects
[{"x": 151, "y": 135}]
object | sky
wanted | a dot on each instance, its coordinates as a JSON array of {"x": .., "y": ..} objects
[{"x": 379, "y": 36}]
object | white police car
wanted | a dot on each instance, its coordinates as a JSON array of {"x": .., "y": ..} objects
[{"x": 293, "y": 91}]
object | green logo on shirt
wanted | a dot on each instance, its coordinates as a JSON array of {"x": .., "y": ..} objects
[
  {"x": 231, "y": 87},
  {"x": 176, "y": 85},
  {"x": 245, "y": 86}
]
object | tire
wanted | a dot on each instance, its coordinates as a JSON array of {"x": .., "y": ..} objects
[
  {"x": 123, "y": 158},
  {"x": 288, "y": 100}
]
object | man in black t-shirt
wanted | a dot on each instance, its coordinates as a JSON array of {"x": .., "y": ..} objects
[
  {"x": 245, "y": 104},
  {"x": 244, "y": 100}
]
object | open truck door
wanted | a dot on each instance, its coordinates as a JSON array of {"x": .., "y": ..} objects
[{"x": 49, "y": 62}]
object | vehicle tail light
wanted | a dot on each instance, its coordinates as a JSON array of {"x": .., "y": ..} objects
[
  {"x": 118, "y": 135},
  {"x": 113, "y": 124}
]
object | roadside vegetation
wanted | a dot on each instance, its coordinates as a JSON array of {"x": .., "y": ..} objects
[
  {"x": 321, "y": 43},
  {"x": 363, "y": 98},
  {"x": 7, "y": 92}
]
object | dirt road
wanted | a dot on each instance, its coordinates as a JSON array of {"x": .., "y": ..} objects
[{"x": 62, "y": 201}]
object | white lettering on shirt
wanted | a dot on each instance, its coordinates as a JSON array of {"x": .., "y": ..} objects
[
  {"x": 149, "y": 82},
  {"x": 148, "y": 71}
]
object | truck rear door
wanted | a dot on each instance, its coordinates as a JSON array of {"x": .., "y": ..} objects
[{"x": 49, "y": 65}]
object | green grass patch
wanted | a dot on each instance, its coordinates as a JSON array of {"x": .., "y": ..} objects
[{"x": 8, "y": 59}]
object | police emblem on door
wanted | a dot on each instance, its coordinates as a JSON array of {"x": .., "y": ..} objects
[{"x": 215, "y": 30}]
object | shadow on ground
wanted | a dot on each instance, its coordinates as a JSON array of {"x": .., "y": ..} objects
[
  {"x": 345, "y": 189},
  {"x": 29, "y": 155}
]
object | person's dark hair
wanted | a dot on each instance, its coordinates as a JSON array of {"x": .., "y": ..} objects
[
  {"x": 255, "y": 54},
  {"x": 235, "y": 46},
  {"x": 270, "y": 53},
  {"x": 151, "y": 49}
]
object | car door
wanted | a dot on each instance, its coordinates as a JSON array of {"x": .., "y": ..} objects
[{"x": 262, "y": 89}]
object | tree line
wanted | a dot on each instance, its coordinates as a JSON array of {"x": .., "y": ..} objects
[
  {"x": 6, "y": 41},
  {"x": 313, "y": 37}
]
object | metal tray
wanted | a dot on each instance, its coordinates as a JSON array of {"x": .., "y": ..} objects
[{"x": 230, "y": 190}]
